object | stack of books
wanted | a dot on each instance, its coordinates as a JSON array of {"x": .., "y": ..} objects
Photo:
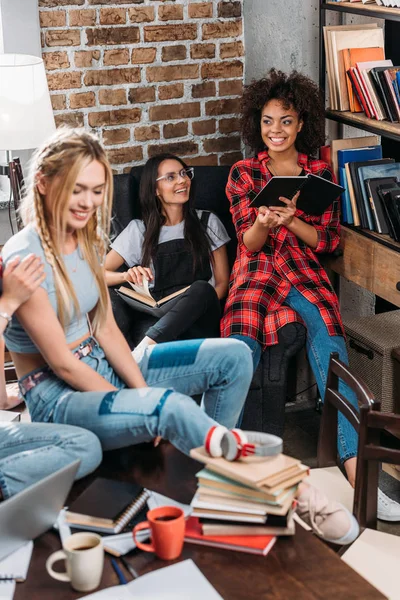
[
  {"x": 371, "y": 197},
  {"x": 244, "y": 505}
]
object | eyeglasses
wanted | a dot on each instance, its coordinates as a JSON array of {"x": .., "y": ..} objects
[{"x": 173, "y": 177}]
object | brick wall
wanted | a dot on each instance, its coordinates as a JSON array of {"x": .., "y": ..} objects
[{"x": 148, "y": 75}]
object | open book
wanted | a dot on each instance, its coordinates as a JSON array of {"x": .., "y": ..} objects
[{"x": 140, "y": 298}]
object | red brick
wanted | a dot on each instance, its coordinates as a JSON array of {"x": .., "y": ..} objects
[
  {"x": 221, "y": 29},
  {"x": 142, "y": 14},
  {"x": 116, "y": 136},
  {"x": 112, "y": 16},
  {"x": 82, "y": 18},
  {"x": 223, "y": 107},
  {"x": 63, "y": 37},
  {"x": 174, "y": 130},
  {"x": 203, "y": 90},
  {"x": 230, "y": 158},
  {"x": 143, "y": 55},
  {"x": 202, "y": 50},
  {"x": 173, "y": 53},
  {"x": 55, "y": 60},
  {"x": 112, "y": 96},
  {"x": 53, "y": 18},
  {"x": 231, "y": 125},
  {"x": 115, "y": 1},
  {"x": 64, "y": 81},
  {"x": 222, "y": 144},
  {"x": 229, "y": 9},
  {"x": 142, "y": 94},
  {"x": 112, "y": 35},
  {"x": 86, "y": 58},
  {"x": 119, "y": 56},
  {"x": 231, "y": 49},
  {"x": 170, "y": 12},
  {"x": 167, "y": 112},
  {"x": 70, "y": 119},
  {"x": 178, "y": 148},
  {"x": 200, "y": 10},
  {"x": 143, "y": 134},
  {"x": 125, "y": 155},
  {"x": 222, "y": 70},
  {"x": 203, "y": 127},
  {"x": 112, "y": 76},
  {"x": 232, "y": 87},
  {"x": 211, "y": 160},
  {"x": 82, "y": 100},
  {"x": 58, "y": 101},
  {"x": 169, "y": 33},
  {"x": 172, "y": 72},
  {"x": 167, "y": 92},
  {"x": 114, "y": 117},
  {"x": 57, "y": 3}
]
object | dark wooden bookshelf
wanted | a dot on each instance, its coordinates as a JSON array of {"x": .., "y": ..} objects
[
  {"x": 360, "y": 120},
  {"x": 366, "y": 10}
]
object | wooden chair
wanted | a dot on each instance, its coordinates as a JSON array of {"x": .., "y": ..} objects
[{"x": 369, "y": 423}]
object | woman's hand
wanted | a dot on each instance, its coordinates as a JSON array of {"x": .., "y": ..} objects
[
  {"x": 267, "y": 218},
  {"x": 20, "y": 280},
  {"x": 286, "y": 213},
  {"x": 136, "y": 274}
]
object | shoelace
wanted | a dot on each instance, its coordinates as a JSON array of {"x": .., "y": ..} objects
[{"x": 317, "y": 507}]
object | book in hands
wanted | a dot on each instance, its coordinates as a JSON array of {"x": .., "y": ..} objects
[
  {"x": 316, "y": 193},
  {"x": 139, "y": 297},
  {"x": 106, "y": 506}
]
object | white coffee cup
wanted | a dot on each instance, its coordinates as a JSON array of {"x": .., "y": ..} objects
[{"x": 84, "y": 558}]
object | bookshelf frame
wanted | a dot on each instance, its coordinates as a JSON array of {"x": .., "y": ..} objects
[{"x": 369, "y": 259}]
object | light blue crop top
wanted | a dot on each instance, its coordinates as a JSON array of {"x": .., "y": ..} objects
[{"x": 27, "y": 241}]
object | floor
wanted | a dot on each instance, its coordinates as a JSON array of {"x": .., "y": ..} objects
[{"x": 300, "y": 440}]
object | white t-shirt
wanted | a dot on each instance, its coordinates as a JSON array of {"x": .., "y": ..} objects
[{"x": 129, "y": 243}]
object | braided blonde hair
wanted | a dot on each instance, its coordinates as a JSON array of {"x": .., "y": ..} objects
[{"x": 59, "y": 163}]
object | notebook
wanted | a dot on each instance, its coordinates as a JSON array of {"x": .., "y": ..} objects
[
  {"x": 316, "y": 193},
  {"x": 257, "y": 544},
  {"x": 16, "y": 564},
  {"x": 107, "y": 506},
  {"x": 180, "y": 581}
]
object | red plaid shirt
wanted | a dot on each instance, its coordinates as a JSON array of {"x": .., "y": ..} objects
[{"x": 260, "y": 281}]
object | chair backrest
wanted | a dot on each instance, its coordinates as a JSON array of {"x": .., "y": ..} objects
[
  {"x": 369, "y": 423},
  {"x": 210, "y": 195}
]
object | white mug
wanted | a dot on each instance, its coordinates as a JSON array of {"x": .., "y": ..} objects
[{"x": 84, "y": 558}]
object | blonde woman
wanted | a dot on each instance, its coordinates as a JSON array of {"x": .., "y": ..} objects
[{"x": 73, "y": 364}]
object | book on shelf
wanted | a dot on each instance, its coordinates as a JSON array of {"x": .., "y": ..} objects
[
  {"x": 316, "y": 193},
  {"x": 373, "y": 187},
  {"x": 350, "y": 57},
  {"x": 362, "y": 203},
  {"x": 391, "y": 203},
  {"x": 344, "y": 144},
  {"x": 372, "y": 92},
  {"x": 139, "y": 297},
  {"x": 352, "y": 196},
  {"x": 254, "y": 544},
  {"x": 106, "y": 506}
]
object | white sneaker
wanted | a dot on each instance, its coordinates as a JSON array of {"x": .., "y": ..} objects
[
  {"x": 139, "y": 351},
  {"x": 388, "y": 509}
]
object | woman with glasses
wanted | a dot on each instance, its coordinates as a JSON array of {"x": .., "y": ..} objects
[{"x": 173, "y": 246}]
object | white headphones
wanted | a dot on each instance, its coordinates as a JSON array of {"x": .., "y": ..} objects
[{"x": 235, "y": 443}]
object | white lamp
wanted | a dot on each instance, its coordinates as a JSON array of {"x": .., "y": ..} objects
[{"x": 26, "y": 114}]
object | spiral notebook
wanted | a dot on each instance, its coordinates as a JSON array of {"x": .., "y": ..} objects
[{"x": 107, "y": 506}]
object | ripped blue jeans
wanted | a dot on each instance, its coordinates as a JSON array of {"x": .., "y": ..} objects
[{"x": 220, "y": 369}]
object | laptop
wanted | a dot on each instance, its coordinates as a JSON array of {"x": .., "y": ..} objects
[{"x": 33, "y": 511}]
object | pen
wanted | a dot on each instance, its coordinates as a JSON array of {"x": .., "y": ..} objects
[
  {"x": 118, "y": 571},
  {"x": 129, "y": 568}
]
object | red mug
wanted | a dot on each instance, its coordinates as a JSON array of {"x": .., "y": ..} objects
[{"x": 167, "y": 526}]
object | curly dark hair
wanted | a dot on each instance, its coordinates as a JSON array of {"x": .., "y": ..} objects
[{"x": 295, "y": 91}]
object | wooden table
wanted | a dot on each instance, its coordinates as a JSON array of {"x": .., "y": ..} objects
[{"x": 300, "y": 567}]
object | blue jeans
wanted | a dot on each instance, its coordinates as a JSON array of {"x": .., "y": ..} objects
[
  {"x": 220, "y": 369},
  {"x": 31, "y": 451},
  {"x": 319, "y": 347}
]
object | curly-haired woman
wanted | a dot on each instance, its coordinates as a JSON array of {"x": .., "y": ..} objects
[{"x": 277, "y": 277}]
